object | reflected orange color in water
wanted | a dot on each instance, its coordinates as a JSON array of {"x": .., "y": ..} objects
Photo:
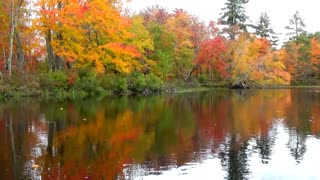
[{"x": 101, "y": 139}]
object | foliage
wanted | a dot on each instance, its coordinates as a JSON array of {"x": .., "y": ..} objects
[
  {"x": 88, "y": 84},
  {"x": 315, "y": 57},
  {"x": 95, "y": 46},
  {"x": 137, "y": 82},
  {"x": 120, "y": 84},
  {"x": 114, "y": 83},
  {"x": 53, "y": 80},
  {"x": 153, "y": 82},
  {"x": 97, "y": 37},
  {"x": 254, "y": 61},
  {"x": 211, "y": 58}
]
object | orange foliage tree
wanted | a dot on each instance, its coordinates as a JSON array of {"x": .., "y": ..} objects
[
  {"x": 315, "y": 57},
  {"x": 87, "y": 34},
  {"x": 253, "y": 61}
]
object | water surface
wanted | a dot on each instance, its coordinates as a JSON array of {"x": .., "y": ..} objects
[{"x": 221, "y": 134}]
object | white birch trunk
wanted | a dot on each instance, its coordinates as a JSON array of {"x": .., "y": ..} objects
[{"x": 11, "y": 38}]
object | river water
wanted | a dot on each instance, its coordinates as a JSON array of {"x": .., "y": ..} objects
[{"x": 218, "y": 134}]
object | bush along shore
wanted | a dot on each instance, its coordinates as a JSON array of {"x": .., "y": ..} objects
[
  {"x": 62, "y": 85},
  {"x": 84, "y": 83}
]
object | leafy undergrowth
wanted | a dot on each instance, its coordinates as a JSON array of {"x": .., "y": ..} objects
[{"x": 61, "y": 85}]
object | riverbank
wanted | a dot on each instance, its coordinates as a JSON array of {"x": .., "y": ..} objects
[
  {"x": 18, "y": 92},
  {"x": 61, "y": 86}
]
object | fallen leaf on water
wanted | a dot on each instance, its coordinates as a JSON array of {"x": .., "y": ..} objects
[{"x": 35, "y": 166}]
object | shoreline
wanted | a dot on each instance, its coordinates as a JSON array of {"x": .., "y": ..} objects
[{"x": 73, "y": 95}]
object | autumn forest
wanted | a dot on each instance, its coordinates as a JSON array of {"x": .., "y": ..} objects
[
  {"x": 93, "y": 47},
  {"x": 239, "y": 101}
]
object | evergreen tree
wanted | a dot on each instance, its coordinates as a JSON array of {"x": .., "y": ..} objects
[
  {"x": 296, "y": 26},
  {"x": 263, "y": 29},
  {"x": 234, "y": 16}
]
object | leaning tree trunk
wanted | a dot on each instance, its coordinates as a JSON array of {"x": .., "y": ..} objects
[
  {"x": 241, "y": 82},
  {"x": 13, "y": 149},
  {"x": 9, "y": 62},
  {"x": 190, "y": 72}
]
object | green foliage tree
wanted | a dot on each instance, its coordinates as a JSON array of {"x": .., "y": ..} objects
[{"x": 179, "y": 26}]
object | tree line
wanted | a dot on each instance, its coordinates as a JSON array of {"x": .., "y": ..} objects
[{"x": 72, "y": 44}]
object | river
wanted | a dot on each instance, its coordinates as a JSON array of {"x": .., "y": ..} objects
[{"x": 217, "y": 134}]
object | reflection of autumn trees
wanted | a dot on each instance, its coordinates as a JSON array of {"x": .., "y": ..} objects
[
  {"x": 302, "y": 119},
  {"x": 231, "y": 118},
  {"x": 264, "y": 144},
  {"x": 303, "y": 112},
  {"x": 244, "y": 113},
  {"x": 99, "y": 146},
  {"x": 101, "y": 139},
  {"x": 122, "y": 131},
  {"x": 17, "y": 124},
  {"x": 234, "y": 158}
]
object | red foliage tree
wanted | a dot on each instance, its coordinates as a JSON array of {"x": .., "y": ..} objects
[{"x": 211, "y": 57}]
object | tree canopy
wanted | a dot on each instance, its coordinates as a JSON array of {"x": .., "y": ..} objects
[{"x": 100, "y": 39}]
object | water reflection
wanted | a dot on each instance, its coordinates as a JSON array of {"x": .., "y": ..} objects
[{"x": 223, "y": 134}]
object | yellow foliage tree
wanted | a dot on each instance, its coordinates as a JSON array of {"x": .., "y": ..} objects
[
  {"x": 89, "y": 34},
  {"x": 253, "y": 61}
]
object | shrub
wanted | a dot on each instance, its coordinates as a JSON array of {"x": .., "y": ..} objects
[
  {"x": 137, "y": 82},
  {"x": 114, "y": 83},
  {"x": 153, "y": 82},
  {"x": 86, "y": 72},
  {"x": 202, "y": 79},
  {"x": 107, "y": 82},
  {"x": 88, "y": 84},
  {"x": 53, "y": 80},
  {"x": 120, "y": 84}
]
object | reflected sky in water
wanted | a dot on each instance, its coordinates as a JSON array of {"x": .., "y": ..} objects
[
  {"x": 280, "y": 166},
  {"x": 221, "y": 134}
]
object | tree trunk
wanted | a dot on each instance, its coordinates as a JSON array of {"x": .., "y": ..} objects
[
  {"x": 50, "y": 51},
  {"x": 13, "y": 149},
  {"x": 190, "y": 72},
  {"x": 20, "y": 54},
  {"x": 59, "y": 61},
  {"x": 50, "y": 138},
  {"x": 9, "y": 62},
  {"x": 4, "y": 53},
  {"x": 240, "y": 82}
]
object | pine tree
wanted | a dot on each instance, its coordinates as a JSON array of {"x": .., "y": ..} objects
[
  {"x": 234, "y": 16},
  {"x": 263, "y": 29},
  {"x": 296, "y": 26}
]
